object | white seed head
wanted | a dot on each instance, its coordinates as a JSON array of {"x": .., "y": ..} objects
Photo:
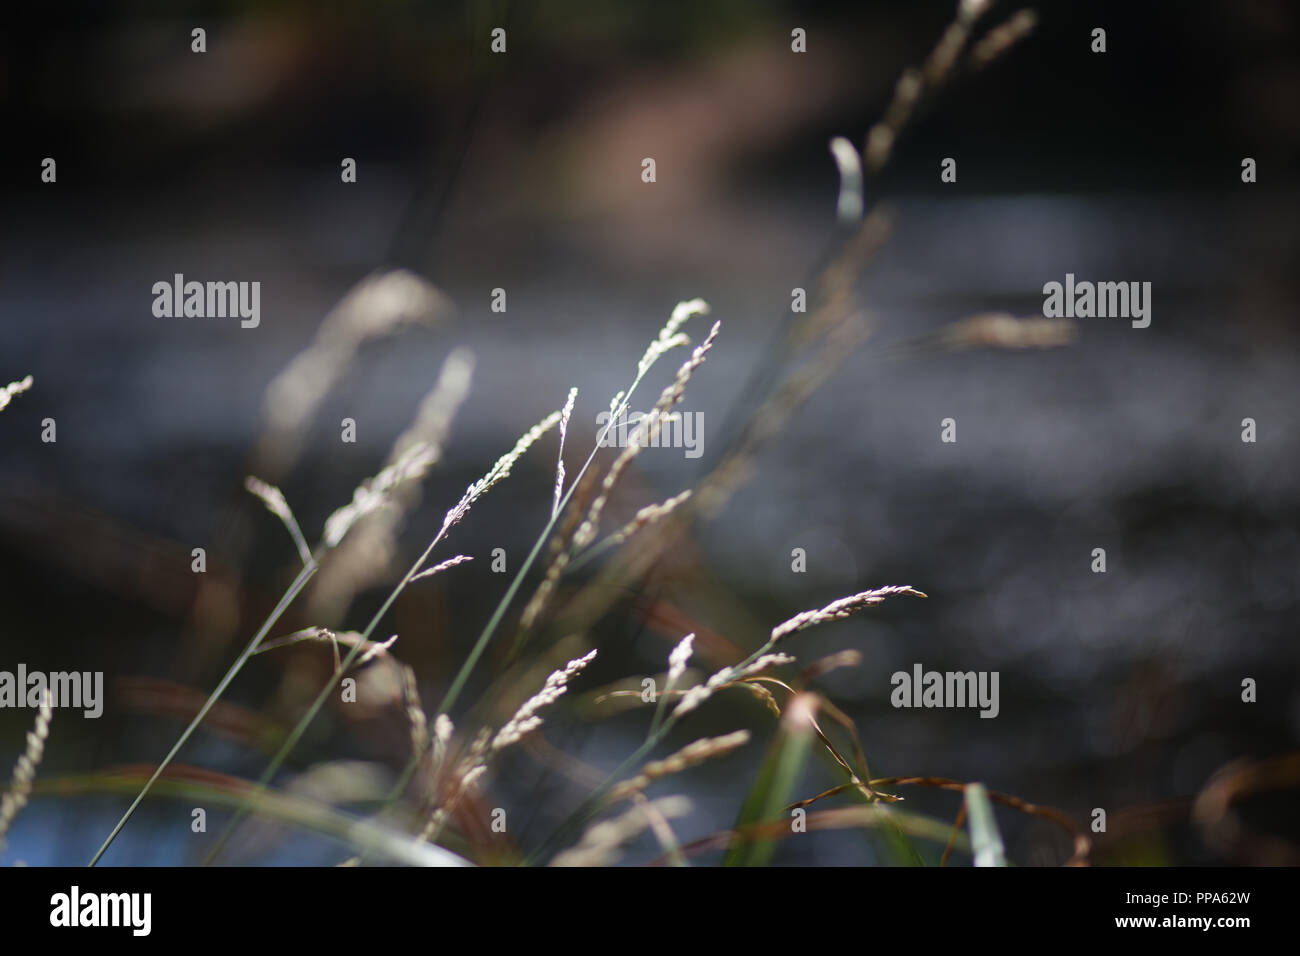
[{"x": 525, "y": 720}]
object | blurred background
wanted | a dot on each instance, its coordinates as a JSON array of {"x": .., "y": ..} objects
[{"x": 522, "y": 172}]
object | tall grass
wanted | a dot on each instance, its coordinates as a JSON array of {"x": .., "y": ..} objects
[{"x": 448, "y": 762}]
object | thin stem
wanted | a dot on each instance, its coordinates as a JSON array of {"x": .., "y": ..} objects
[
  {"x": 660, "y": 707},
  {"x": 285, "y": 600},
  {"x": 305, "y": 721},
  {"x": 494, "y": 621},
  {"x": 480, "y": 645},
  {"x": 595, "y": 551},
  {"x": 591, "y": 805},
  {"x": 476, "y": 652}
]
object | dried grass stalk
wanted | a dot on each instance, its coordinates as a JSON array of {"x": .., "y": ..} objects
[
  {"x": 13, "y": 388},
  {"x": 602, "y": 842},
  {"x": 380, "y": 305},
  {"x": 20, "y": 786},
  {"x": 366, "y": 558},
  {"x": 837, "y": 610},
  {"x": 669, "y": 337},
  {"x": 692, "y": 754},
  {"x": 443, "y": 566},
  {"x": 559, "y": 462},
  {"x": 526, "y": 720},
  {"x": 275, "y": 502}
]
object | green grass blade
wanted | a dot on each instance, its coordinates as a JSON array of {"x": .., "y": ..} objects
[
  {"x": 986, "y": 841},
  {"x": 897, "y": 844},
  {"x": 776, "y": 781}
]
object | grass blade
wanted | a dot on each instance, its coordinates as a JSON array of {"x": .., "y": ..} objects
[
  {"x": 777, "y": 779},
  {"x": 986, "y": 841},
  {"x": 287, "y": 809}
]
